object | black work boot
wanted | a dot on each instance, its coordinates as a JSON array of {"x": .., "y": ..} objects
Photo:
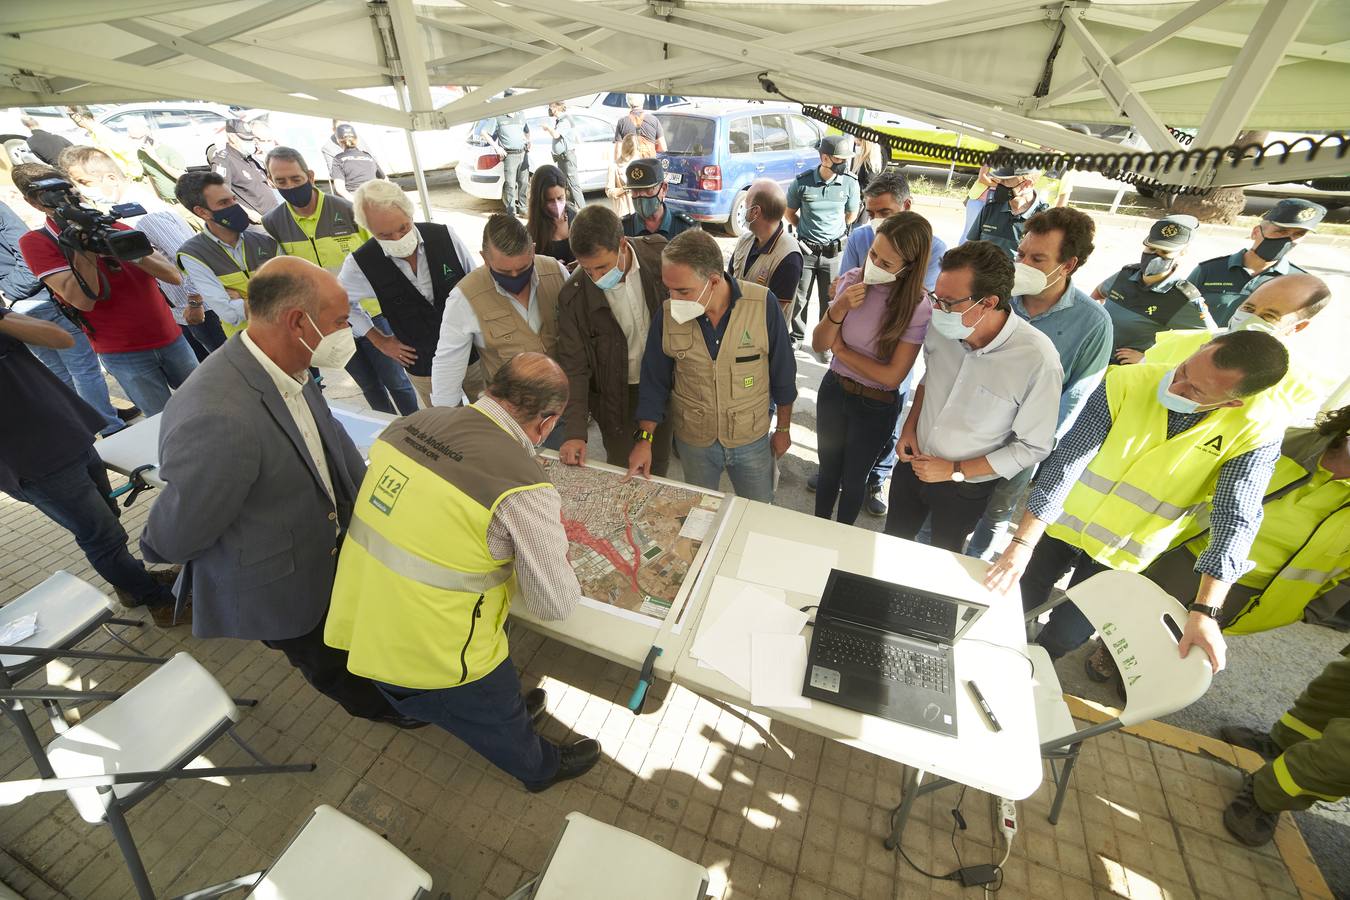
[
  {"x": 576, "y": 760},
  {"x": 1246, "y": 820},
  {"x": 1257, "y": 740}
]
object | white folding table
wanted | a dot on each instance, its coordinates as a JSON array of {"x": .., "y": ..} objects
[{"x": 1005, "y": 763}]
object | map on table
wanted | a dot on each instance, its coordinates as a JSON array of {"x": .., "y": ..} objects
[{"x": 632, "y": 543}]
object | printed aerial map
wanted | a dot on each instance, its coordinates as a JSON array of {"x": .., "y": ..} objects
[{"x": 632, "y": 542}]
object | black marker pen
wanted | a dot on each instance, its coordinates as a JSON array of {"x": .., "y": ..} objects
[{"x": 984, "y": 706}]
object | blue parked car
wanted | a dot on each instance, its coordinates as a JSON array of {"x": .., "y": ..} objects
[{"x": 715, "y": 151}]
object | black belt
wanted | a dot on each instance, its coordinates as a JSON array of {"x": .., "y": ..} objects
[{"x": 829, "y": 249}]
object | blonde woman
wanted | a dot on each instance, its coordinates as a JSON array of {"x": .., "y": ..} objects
[{"x": 617, "y": 188}]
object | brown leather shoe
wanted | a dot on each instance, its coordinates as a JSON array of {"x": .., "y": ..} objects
[{"x": 164, "y": 615}]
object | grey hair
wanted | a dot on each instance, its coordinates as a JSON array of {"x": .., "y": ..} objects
[
  {"x": 287, "y": 154},
  {"x": 697, "y": 250},
  {"x": 271, "y": 293},
  {"x": 379, "y": 194}
]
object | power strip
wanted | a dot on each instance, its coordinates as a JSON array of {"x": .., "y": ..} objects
[{"x": 1007, "y": 819}]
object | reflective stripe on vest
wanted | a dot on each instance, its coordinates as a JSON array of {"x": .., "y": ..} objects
[
  {"x": 421, "y": 570},
  {"x": 1141, "y": 491}
]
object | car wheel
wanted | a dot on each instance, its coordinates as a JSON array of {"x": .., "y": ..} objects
[{"x": 735, "y": 223}]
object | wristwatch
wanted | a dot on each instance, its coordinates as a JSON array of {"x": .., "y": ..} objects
[
  {"x": 1211, "y": 611},
  {"x": 957, "y": 474},
  {"x": 643, "y": 435}
]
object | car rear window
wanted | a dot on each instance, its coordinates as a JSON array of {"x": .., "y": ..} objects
[{"x": 689, "y": 135}]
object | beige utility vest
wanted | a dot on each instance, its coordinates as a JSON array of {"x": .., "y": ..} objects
[
  {"x": 724, "y": 399},
  {"x": 767, "y": 262},
  {"x": 505, "y": 331}
]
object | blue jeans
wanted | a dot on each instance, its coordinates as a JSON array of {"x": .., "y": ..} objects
[
  {"x": 1068, "y": 628},
  {"x": 489, "y": 715},
  {"x": 1008, "y": 496},
  {"x": 851, "y": 430},
  {"x": 750, "y": 467},
  {"x": 148, "y": 376},
  {"x": 381, "y": 377},
  {"x": 78, "y": 367},
  {"x": 205, "y": 338},
  {"x": 76, "y": 498}
]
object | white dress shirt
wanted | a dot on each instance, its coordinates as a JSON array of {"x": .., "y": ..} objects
[
  {"x": 358, "y": 288},
  {"x": 292, "y": 393},
  {"x": 1000, "y": 401},
  {"x": 629, "y": 305},
  {"x": 228, "y": 309},
  {"x": 166, "y": 233},
  {"x": 460, "y": 330}
]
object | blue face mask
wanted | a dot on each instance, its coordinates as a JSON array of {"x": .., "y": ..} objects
[
  {"x": 298, "y": 197},
  {"x": 610, "y": 280},
  {"x": 233, "y": 217},
  {"x": 513, "y": 284},
  {"x": 647, "y": 207}
]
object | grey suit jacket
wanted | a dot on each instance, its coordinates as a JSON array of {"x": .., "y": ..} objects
[{"x": 244, "y": 507}]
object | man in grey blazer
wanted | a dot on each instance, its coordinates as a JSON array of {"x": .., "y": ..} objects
[{"x": 261, "y": 479}]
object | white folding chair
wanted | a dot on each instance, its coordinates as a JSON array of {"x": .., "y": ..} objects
[
  {"x": 331, "y": 858},
  {"x": 68, "y": 611},
  {"x": 151, "y": 734},
  {"x": 1141, "y": 625},
  {"x": 601, "y": 862}
]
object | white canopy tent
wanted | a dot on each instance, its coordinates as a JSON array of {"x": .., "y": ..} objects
[{"x": 1004, "y": 69}]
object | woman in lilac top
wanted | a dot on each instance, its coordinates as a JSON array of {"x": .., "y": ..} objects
[{"x": 875, "y": 326}]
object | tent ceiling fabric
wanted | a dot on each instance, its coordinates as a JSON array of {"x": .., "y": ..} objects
[{"x": 1001, "y": 67}]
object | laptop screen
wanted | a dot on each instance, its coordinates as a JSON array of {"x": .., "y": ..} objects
[{"x": 897, "y": 608}]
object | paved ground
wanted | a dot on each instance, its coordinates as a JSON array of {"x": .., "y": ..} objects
[{"x": 400, "y": 782}]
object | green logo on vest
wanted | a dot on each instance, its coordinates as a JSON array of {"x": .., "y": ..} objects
[
  {"x": 388, "y": 489},
  {"x": 1214, "y": 445},
  {"x": 749, "y": 381},
  {"x": 445, "y": 269},
  {"x": 745, "y": 340}
]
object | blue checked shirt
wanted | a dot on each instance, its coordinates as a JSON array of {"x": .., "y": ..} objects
[{"x": 1235, "y": 511}]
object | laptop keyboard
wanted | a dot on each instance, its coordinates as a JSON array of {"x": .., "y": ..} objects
[
  {"x": 876, "y": 599},
  {"x": 835, "y": 646}
]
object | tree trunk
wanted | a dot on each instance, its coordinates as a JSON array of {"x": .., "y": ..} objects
[{"x": 1223, "y": 205}]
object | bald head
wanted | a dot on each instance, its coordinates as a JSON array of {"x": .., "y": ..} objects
[
  {"x": 530, "y": 386},
  {"x": 1287, "y": 303},
  {"x": 292, "y": 305},
  {"x": 767, "y": 196}
]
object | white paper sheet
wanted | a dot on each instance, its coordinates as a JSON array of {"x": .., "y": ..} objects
[
  {"x": 697, "y": 523},
  {"x": 777, "y": 670},
  {"x": 790, "y": 565},
  {"x": 725, "y": 643},
  {"x": 18, "y": 630}
]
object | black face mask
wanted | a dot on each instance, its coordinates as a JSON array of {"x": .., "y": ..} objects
[
  {"x": 1273, "y": 249},
  {"x": 1002, "y": 194},
  {"x": 839, "y": 168}
]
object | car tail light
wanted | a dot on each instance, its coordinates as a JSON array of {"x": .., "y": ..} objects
[
  {"x": 488, "y": 161},
  {"x": 710, "y": 178}
]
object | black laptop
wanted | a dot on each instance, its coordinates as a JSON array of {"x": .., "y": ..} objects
[{"x": 886, "y": 649}]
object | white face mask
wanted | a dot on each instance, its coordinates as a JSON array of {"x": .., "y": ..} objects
[
  {"x": 1030, "y": 281},
  {"x": 687, "y": 310},
  {"x": 1174, "y": 402},
  {"x": 1250, "y": 321},
  {"x": 875, "y": 274},
  {"x": 333, "y": 350},
  {"x": 951, "y": 324},
  {"x": 403, "y": 247}
]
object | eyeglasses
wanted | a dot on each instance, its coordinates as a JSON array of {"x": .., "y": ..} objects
[{"x": 944, "y": 304}]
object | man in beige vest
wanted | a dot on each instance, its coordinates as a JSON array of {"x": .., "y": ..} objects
[
  {"x": 766, "y": 254},
  {"x": 717, "y": 397},
  {"x": 507, "y": 306}
]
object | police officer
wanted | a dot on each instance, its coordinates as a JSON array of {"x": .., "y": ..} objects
[
  {"x": 511, "y": 133},
  {"x": 1150, "y": 296},
  {"x": 563, "y": 131},
  {"x": 651, "y": 215},
  {"x": 351, "y": 167},
  {"x": 1013, "y": 200},
  {"x": 822, "y": 203},
  {"x": 1225, "y": 281},
  {"x": 243, "y": 176}
]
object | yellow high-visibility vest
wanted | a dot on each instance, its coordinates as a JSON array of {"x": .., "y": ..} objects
[{"x": 326, "y": 237}]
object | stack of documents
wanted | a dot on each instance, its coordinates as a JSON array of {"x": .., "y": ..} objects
[{"x": 754, "y": 638}]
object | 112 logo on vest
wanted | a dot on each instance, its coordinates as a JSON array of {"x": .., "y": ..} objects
[
  {"x": 388, "y": 489},
  {"x": 1213, "y": 446}
]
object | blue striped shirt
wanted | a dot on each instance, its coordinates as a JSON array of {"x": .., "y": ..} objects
[{"x": 1236, "y": 509}]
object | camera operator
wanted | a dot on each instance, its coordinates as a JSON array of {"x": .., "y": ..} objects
[{"x": 120, "y": 306}]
